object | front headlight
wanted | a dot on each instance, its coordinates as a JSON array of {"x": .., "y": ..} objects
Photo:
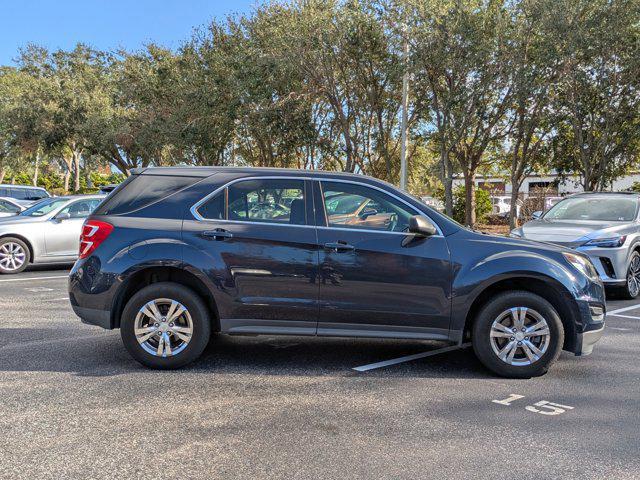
[
  {"x": 612, "y": 242},
  {"x": 582, "y": 264}
]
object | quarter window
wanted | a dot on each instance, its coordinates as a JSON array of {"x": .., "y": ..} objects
[{"x": 359, "y": 207}]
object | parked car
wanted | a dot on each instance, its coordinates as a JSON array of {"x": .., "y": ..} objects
[
  {"x": 502, "y": 205},
  {"x": 10, "y": 207},
  {"x": 604, "y": 226},
  {"x": 433, "y": 202},
  {"x": 107, "y": 189},
  {"x": 47, "y": 232},
  {"x": 176, "y": 253},
  {"x": 22, "y": 192}
]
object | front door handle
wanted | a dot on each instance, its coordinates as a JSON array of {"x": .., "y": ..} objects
[
  {"x": 217, "y": 234},
  {"x": 339, "y": 246}
]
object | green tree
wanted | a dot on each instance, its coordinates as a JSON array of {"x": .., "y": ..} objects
[{"x": 598, "y": 44}]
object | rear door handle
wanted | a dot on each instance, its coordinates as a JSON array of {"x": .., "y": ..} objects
[
  {"x": 217, "y": 234},
  {"x": 338, "y": 246}
]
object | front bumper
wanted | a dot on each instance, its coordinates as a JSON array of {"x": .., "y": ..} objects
[
  {"x": 611, "y": 263},
  {"x": 587, "y": 340},
  {"x": 590, "y": 326}
]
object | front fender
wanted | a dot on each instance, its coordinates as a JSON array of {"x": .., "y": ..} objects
[{"x": 475, "y": 277}]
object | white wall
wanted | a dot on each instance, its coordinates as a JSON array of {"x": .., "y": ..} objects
[{"x": 569, "y": 185}]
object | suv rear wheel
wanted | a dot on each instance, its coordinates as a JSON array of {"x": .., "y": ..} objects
[
  {"x": 165, "y": 326},
  {"x": 518, "y": 335}
]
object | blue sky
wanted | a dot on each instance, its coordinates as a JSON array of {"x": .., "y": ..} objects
[{"x": 105, "y": 24}]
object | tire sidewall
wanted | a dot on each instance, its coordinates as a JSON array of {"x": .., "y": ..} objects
[
  {"x": 27, "y": 258},
  {"x": 199, "y": 316},
  {"x": 487, "y": 315},
  {"x": 627, "y": 293}
]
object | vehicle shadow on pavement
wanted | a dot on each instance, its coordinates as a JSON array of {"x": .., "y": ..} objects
[{"x": 101, "y": 354}]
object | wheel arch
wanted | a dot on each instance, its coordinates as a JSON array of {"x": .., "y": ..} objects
[
  {"x": 156, "y": 274},
  {"x": 26, "y": 241},
  {"x": 548, "y": 288}
]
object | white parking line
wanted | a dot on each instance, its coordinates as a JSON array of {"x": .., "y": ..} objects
[
  {"x": 622, "y": 316},
  {"x": 30, "y": 279},
  {"x": 625, "y": 309},
  {"x": 409, "y": 358}
]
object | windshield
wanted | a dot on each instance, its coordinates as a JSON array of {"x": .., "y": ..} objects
[
  {"x": 595, "y": 208},
  {"x": 44, "y": 207}
]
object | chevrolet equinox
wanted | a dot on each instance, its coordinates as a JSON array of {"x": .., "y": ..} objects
[{"x": 174, "y": 254}]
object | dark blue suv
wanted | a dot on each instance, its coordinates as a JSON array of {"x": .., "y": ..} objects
[{"x": 175, "y": 254}]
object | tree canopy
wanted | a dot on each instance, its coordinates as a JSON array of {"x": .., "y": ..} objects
[{"x": 501, "y": 86}]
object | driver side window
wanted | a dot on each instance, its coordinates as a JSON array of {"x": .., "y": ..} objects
[{"x": 349, "y": 205}]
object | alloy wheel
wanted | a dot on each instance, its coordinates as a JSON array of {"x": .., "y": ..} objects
[
  {"x": 163, "y": 327},
  {"x": 520, "y": 336},
  {"x": 633, "y": 276},
  {"x": 12, "y": 256}
]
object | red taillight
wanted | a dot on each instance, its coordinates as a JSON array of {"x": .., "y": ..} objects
[{"x": 93, "y": 234}]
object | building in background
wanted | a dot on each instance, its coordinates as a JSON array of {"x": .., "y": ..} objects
[{"x": 550, "y": 184}]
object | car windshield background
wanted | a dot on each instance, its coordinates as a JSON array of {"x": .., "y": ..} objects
[
  {"x": 594, "y": 208},
  {"x": 359, "y": 207},
  {"x": 8, "y": 207},
  {"x": 44, "y": 207}
]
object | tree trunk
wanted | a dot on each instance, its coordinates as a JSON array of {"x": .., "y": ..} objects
[
  {"x": 36, "y": 170},
  {"x": 513, "y": 209},
  {"x": 470, "y": 198},
  {"x": 446, "y": 175},
  {"x": 3, "y": 172},
  {"x": 76, "y": 166}
]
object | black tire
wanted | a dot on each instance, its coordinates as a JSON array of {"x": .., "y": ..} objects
[
  {"x": 199, "y": 317},
  {"x": 492, "y": 310},
  {"x": 5, "y": 241},
  {"x": 628, "y": 292}
]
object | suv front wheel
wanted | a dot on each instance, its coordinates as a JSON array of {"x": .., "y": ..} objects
[
  {"x": 518, "y": 335},
  {"x": 165, "y": 326}
]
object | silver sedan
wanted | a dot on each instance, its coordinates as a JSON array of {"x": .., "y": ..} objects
[
  {"x": 605, "y": 226},
  {"x": 47, "y": 232},
  {"x": 10, "y": 207}
]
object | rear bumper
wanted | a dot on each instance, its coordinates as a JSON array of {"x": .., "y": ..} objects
[
  {"x": 99, "y": 318},
  {"x": 587, "y": 340}
]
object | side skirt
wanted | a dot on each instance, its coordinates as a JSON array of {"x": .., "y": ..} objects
[{"x": 290, "y": 327}]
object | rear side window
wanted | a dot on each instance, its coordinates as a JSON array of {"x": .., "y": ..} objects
[
  {"x": 140, "y": 191},
  {"x": 36, "y": 194},
  {"x": 19, "y": 193},
  {"x": 268, "y": 201}
]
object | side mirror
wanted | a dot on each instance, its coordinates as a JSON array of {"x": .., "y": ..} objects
[
  {"x": 420, "y": 225},
  {"x": 63, "y": 216},
  {"x": 537, "y": 214}
]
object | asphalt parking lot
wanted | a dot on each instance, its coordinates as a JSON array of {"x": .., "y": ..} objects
[{"x": 73, "y": 404}]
